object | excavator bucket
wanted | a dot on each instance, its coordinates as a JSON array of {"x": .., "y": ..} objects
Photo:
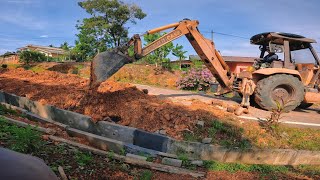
[{"x": 104, "y": 65}]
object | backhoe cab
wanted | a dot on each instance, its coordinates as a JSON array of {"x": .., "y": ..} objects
[{"x": 292, "y": 80}]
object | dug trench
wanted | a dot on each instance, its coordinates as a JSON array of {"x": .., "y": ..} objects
[{"x": 119, "y": 102}]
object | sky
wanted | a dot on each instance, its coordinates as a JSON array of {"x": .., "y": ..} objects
[{"x": 45, "y": 22}]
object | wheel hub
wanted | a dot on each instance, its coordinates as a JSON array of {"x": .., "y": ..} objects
[{"x": 282, "y": 93}]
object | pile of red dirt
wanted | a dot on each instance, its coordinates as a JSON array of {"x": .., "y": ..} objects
[
  {"x": 62, "y": 67},
  {"x": 147, "y": 74},
  {"x": 119, "y": 102}
]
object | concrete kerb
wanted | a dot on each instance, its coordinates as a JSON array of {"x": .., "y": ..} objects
[
  {"x": 115, "y": 131},
  {"x": 111, "y": 144},
  {"x": 136, "y": 141}
]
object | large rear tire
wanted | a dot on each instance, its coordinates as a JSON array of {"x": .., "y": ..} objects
[{"x": 279, "y": 88}]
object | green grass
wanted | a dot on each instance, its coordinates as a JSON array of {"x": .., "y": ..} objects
[
  {"x": 4, "y": 110},
  {"x": 146, "y": 175},
  {"x": 236, "y": 167},
  {"x": 265, "y": 171},
  {"x": 83, "y": 158},
  {"x": 302, "y": 138},
  {"x": 37, "y": 69},
  {"x": 308, "y": 169},
  {"x": 148, "y": 156},
  {"x": 122, "y": 152},
  {"x": 221, "y": 133},
  {"x": 185, "y": 161},
  {"x": 13, "y": 66},
  {"x": 24, "y": 140},
  {"x": 77, "y": 68},
  {"x": 231, "y": 136},
  {"x": 229, "y": 95}
]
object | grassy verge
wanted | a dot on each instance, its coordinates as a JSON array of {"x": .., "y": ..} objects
[
  {"x": 36, "y": 69},
  {"x": 266, "y": 171},
  {"x": 231, "y": 134},
  {"x": 76, "y": 163},
  {"x": 286, "y": 137},
  {"x": 221, "y": 133}
]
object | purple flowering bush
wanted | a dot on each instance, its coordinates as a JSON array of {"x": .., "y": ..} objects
[{"x": 196, "y": 79}]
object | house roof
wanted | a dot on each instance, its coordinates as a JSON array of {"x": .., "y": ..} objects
[
  {"x": 238, "y": 59},
  {"x": 45, "y": 49},
  {"x": 8, "y": 54}
]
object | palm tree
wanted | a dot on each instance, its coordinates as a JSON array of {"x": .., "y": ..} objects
[{"x": 179, "y": 53}]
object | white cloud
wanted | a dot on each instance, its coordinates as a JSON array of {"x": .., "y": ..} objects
[{"x": 44, "y": 36}]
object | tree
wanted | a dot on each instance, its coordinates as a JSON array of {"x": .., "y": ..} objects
[
  {"x": 65, "y": 46},
  {"x": 28, "y": 57},
  {"x": 6, "y": 54},
  {"x": 89, "y": 43},
  {"x": 107, "y": 26},
  {"x": 159, "y": 55},
  {"x": 179, "y": 53}
]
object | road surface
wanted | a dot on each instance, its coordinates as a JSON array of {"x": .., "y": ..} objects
[{"x": 300, "y": 117}]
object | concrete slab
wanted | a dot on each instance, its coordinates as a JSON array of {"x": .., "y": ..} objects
[
  {"x": 172, "y": 162},
  {"x": 74, "y": 120},
  {"x": 98, "y": 141},
  {"x": 115, "y": 131},
  {"x": 142, "y": 158},
  {"x": 2, "y": 98},
  {"x": 197, "y": 163},
  {"x": 152, "y": 141}
]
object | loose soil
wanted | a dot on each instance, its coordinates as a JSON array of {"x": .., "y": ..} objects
[
  {"x": 121, "y": 102},
  {"x": 133, "y": 73}
]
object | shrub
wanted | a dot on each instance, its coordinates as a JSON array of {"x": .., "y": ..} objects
[
  {"x": 146, "y": 175},
  {"x": 82, "y": 158},
  {"x": 28, "y": 57},
  {"x": 4, "y": 66},
  {"x": 196, "y": 79},
  {"x": 25, "y": 140}
]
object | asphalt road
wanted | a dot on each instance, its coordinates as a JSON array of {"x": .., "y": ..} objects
[{"x": 300, "y": 117}]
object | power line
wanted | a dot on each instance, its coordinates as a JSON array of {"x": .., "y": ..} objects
[
  {"x": 225, "y": 34},
  {"x": 209, "y": 32}
]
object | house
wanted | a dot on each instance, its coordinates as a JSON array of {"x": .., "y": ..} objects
[
  {"x": 236, "y": 63},
  {"x": 48, "y": 51},
  {"x": 9, "y": 58},
  {"x": 184, "y": 63}
]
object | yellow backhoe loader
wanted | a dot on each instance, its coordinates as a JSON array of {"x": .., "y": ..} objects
[{"x": 286, "y": 81}]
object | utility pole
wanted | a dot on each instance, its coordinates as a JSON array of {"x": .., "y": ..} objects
[{"x": 212, "y": 35}]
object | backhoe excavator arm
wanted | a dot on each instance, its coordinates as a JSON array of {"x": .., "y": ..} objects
[{"x": 204, "y": 47}]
